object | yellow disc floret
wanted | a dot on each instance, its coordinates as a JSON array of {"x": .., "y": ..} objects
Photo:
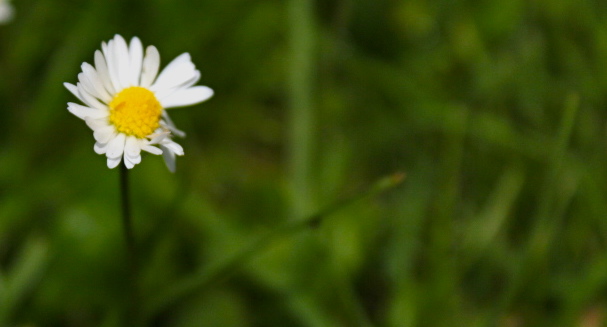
[{"x": 135, "y": 111}]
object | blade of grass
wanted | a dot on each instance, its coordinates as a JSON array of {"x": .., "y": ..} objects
[
  {"x": 548, "y": 215},
  {"x": 350, "y": 300},
  {"x": 24, "y": 275},
  {"x": 301, "y": 119},
  {"x": 221, "y": 270},
  {"x": 444, "y": 273},
  {"x": 491, "y": 220}
]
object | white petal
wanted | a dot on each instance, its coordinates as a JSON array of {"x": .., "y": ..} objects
[
  {"x": 151, "y": 62},
  {"x": 192, "y": 80},
  {"x": 121, "y": 55},
  {"x": 116, "y": 146},
  {"x": 128, "y": 163},
  {"x": 104, "y": 48},
  {"x": 173, "y": 78},
  {"x": 151, "y": 149},
  {"x": 182, "y": 58},
  {"x": 89, "y": 100},
  {"x": 136, "y": 159},
  {"x": 73, "y": 89},
  {"x": 186, "y": 97},
  {"x": 100, "y": 148},
  {"x": 167, "y": 92},
  {"x": 96, "y": 124},
  {"x": 108, "y": 52},
  {"x": 179, "y": 71},
  {"x": 173, "y": 147},
  {"x": 132, "y": 147},
  {"x": 170, "y": 125},
  {"x": 113, "y": 162},
  {"x": 104, "y": 134},
  {"x": 88, "y": 85},
  {"x": 95, "y": 80},
  {"x": 102, "y": 71},
  {"x": 133, "y": 158},
  {"x": 136, "y": 59},
  {"x": 158, "y": 136},
  {"x": 169, "y": 159},
  {"x": 83, "y": 112},
  {"x": 6, "y": 12}
]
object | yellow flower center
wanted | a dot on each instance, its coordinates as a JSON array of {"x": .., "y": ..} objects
[{"x": 135, "y": 111}]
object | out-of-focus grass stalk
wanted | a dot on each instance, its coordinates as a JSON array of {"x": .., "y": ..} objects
[
  {"x": 162, "y": 299},
  {"x": 62, "y": 61},
  {"x": 22, "y": 278},
  {"x": 354, "y": 308},
  {"x": 547, "y": 217},
  {"x": 444, "y": 273},
  {"x": 555, "y": 169},
  {"x": 301, "y": 121}
]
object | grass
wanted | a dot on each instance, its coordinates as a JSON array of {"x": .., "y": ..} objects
[{"x": 494, "y": 110}]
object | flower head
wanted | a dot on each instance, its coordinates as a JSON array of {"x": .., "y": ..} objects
[{"x": 125, "y": 100}]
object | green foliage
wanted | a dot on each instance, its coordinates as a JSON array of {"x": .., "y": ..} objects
[{"x": 495, "y": 110}]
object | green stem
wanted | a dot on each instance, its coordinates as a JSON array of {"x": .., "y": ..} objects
[{"x": 127, "y": 224}]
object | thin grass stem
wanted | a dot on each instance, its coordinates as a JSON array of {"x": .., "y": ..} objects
[{"x": 301, "y": 114}]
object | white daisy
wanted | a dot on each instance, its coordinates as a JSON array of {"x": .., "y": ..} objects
[
  {"x": 125, "y": 98},
  {"x": 6, "y": 11}
]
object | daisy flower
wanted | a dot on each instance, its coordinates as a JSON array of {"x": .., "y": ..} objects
[
  {"x": 125, "y": 100},
  {"x": 6, "y": 11}
]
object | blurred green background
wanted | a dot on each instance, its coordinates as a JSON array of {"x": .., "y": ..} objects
[{"x": 495, "y": 110}]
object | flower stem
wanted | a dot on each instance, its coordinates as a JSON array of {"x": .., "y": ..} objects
[{"x": 127, "y": 224}]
